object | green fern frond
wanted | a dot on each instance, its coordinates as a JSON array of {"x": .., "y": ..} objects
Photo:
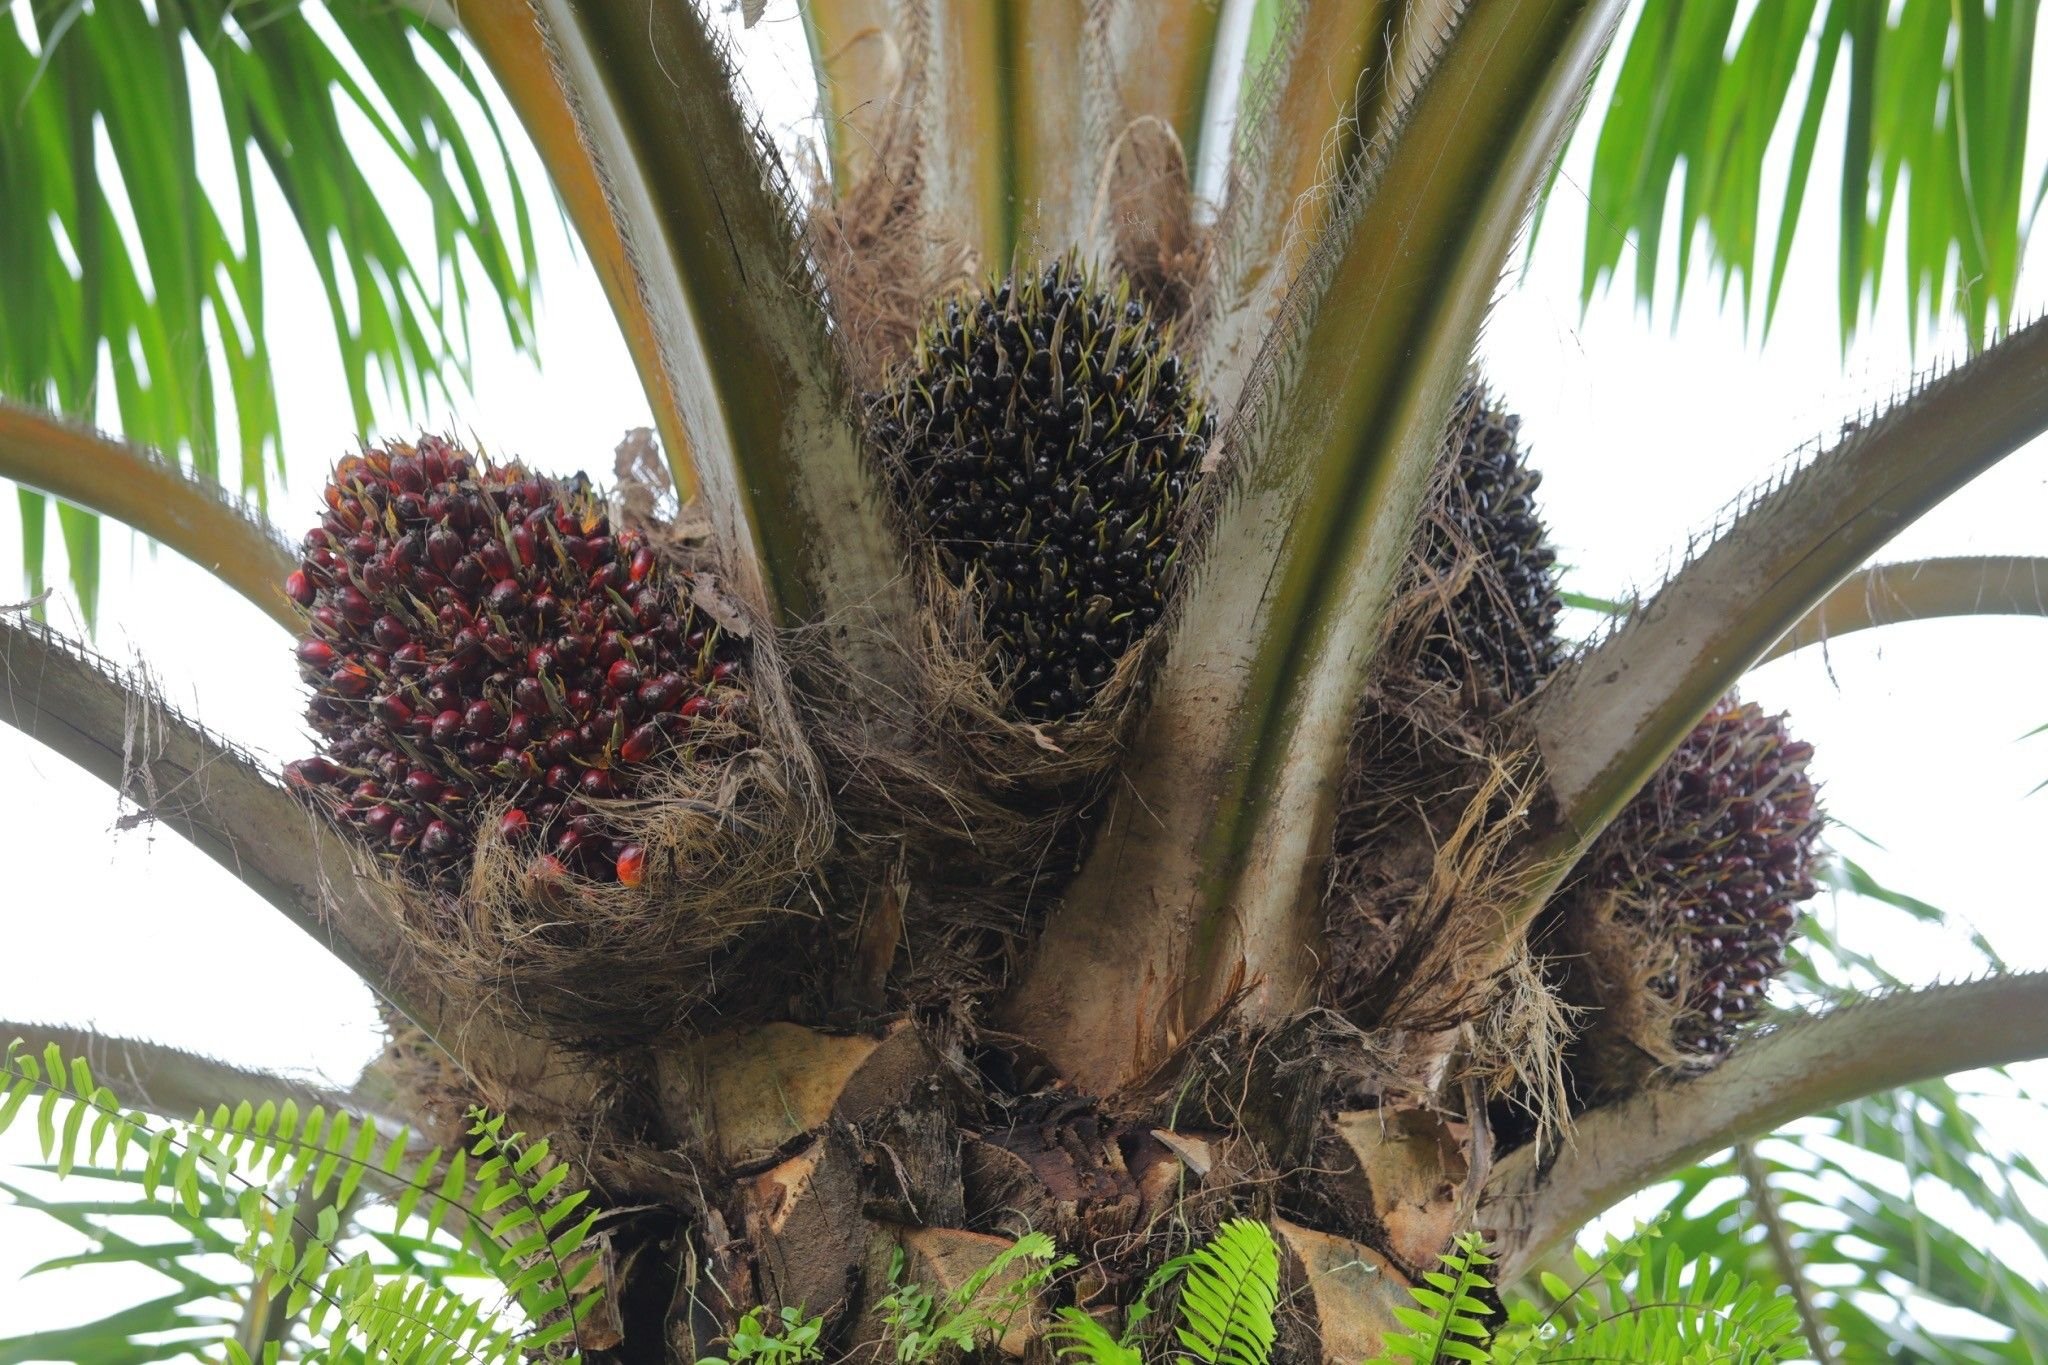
[
  {"x": 1628, "y": 1305},
  {"x": 1231, "y": 1295},
  {"x": 1077, "y": 1336},
  {"x": 925, "y": 1328},
  {"x": 1635, "y": 1305},
  {"x": 1448, "y": 1321},
  {"x": 237, "y": 1155}
]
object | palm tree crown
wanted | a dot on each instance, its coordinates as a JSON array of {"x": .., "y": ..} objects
[{"x": 1061, "y": 782}]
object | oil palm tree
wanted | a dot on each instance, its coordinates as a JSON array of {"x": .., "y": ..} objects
[{"x": 1240, "y": 840}]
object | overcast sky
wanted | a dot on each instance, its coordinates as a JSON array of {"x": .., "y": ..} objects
[{"x": 1643, "y": 430}]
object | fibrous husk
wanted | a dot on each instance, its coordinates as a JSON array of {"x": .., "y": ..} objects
[
  {"x": 431, "y": 1089},
  {"x": 1146, "y": 203},
  {"x": 1434, "y": 787},
  {"x": 1437, "y": 785},
  {"x": 732, "y": 825},
  {"x": 939, "y": 872},
  {"x": 1430, "y": 800},
  {"x": 1013, "y": 758}
]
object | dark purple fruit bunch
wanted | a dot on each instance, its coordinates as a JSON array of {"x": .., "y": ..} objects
[
  {"x": 1502, "y": 625},
  {"x": 1044, "y": 438},
  {"x": 481, "y": 639},
  {"x": 1718, "y": 852}
]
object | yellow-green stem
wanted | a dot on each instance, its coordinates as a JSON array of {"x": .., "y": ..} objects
[{"x": 142, "y": 489}]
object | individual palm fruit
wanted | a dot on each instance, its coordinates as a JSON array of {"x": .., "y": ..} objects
[
  {"x": 1713, "y": 858},
  {"x": 1501, "y": 626},
  {"x": 1043, "y": 438},
  {"x": 480, "y": 639}
]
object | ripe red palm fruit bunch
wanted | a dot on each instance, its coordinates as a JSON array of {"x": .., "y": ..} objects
[
  {"x": 482, "y": 639},
  {"x": 1718, "y": 852}
]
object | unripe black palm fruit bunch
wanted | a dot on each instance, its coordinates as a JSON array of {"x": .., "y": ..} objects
[
  {"x": 1712, "y": 858},
  {"x": 1501, "y": 625},
  {"x": 480, "y": 639},
  {"x": 1043, "y": 438}
]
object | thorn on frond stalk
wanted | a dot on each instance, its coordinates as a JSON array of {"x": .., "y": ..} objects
[{"x": 1610, "y": 718}]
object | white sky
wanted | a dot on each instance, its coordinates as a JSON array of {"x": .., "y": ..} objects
[{"x": 1642, "y": 430}]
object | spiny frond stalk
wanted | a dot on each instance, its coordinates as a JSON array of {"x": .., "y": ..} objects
[
  {"x": 148, "y": 492},
  {"x": 697, "y": 198},
  {"x": 1607, "y": 721},
  {"x": 1215, "y": 842},
  {"x": 173, "y": 1083},
  {"x": 1922, "y": 590},
  {"x": 1803, "y": 1067},
  {"x": 511, "y": 41},
  {"x": 1324, "y": 93}
]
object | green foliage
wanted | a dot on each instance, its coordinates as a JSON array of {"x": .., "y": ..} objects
[
  {"x": 1448, "y": 1321},
  {"x": 792, "y": 1342},
  {"x": 195, "y": 1310},
  {"x": 509, "y": 1196},
  {"x": 204, "y": 109},
  {"x": 922, "y": 1326},
  {"x": 1934, "y": 141},
  {"x": 1229, "y": 1296},
  {"x": 1229, "y": 1301},
  {"x": 1628, "y": 1305}
]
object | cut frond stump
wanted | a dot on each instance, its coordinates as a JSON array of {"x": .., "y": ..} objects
[{"x": 565, "y": 750}]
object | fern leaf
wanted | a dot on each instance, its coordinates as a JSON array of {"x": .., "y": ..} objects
[
  {"x": 1230, "y": 1296},
  {"x": 1078, "y": 1336}
]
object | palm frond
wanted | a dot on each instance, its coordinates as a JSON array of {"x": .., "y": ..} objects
[
  {"x": 140, "y": 488},
  {"x": 1933, "y": 150},
  {"x": 1922, "y": 590},
  {"x": 1608, "y": 719},
  {"x": 198, "y": 1310},
  {"x": 1280, "y": 619},
  {"x": 706, "y": 208},
  {"x": 114, "y": 726},
  {"x": 130, "y": 263}
]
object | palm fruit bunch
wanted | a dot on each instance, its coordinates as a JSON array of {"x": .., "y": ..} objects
[
  {"x": 1501, "y": 626},
  {"x": 1713, "y": 858},
  {"x": 480, "y": 639},
  {"x": 1043, "y": 438}
]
